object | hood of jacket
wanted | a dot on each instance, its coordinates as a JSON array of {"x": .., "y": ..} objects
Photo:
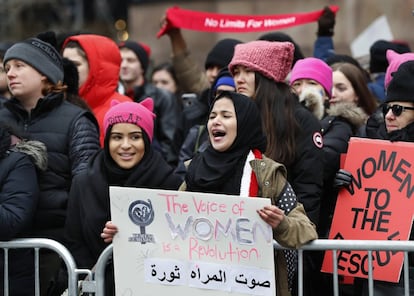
[
  {"x": 36, "y": 150},
  {"x": 104, "y": 61},
  {"x": 349, "y": 111},
  {"x": 313, "y": 100}
]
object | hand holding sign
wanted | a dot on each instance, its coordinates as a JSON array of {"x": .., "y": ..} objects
[
  {"x": 343, "y": 178},
  {"x": 376, "y": 205},
  {"x": 109, "y": 232}
]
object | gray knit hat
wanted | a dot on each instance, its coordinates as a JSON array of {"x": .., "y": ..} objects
[{"x": 40, "y": 55}]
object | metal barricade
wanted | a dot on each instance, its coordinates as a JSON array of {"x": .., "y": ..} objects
[
  {"x": 41, "y": 243},
  {"x": 354, "y": 245},
  {"x": 97, "y": 286}
]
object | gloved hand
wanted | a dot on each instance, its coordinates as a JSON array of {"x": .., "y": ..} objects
[
  {"x": 326, "y": 22},
  {"x": 342, "y": 179}
]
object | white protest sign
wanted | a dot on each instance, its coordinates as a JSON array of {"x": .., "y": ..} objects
[
  {"x": 377, "y": 30},
  {"x": 187, "y": 243}
]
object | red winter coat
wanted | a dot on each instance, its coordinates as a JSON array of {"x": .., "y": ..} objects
[{"x": 100, "y": 87}]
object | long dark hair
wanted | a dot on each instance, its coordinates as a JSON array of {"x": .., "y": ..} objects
[{"x": 276, "y": 103}]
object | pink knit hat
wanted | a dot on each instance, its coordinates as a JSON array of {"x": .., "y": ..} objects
[
  {"x": 394, "y": 61},
  {"x": 315, "y": 69},
  {"x": 273, "y": 59},
  {"x": 139, "y": 114}
]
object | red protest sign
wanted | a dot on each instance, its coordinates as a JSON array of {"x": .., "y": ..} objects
[
  {"x": 217, "y": 22},
  {"x": 377, "y": 206}
]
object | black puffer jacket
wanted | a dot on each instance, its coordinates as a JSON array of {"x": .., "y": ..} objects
[
  {"x": 19, "y": 192},
  {"x": 343, "y": 121},
  {"x": 305, "y": 174},
  {"x": 71, "y": 137},
  {"x": 19, "y": 189}
]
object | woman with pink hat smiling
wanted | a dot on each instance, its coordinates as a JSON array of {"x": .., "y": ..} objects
[{"x": 127, "y": 159}]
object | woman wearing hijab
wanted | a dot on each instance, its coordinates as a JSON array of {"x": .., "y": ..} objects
[
  {"x": 234, "y": 164},
  {"x": 127, "y": 159}
]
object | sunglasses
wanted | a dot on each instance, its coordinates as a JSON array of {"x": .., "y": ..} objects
[{"x": 396, "y": 109}]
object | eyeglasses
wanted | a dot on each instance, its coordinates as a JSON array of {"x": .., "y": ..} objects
[{"x": 396, "y": 109}]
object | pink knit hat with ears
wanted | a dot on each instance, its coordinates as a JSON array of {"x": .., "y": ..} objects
[
  {"x": 315, "y": 69},
  {"x": 139, "y": 114},
  {"x": 273, "y": 59},
  {"x": 394, "y": 61}
]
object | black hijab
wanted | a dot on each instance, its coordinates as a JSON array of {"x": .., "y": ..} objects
[{"x": 220, "y": 172}]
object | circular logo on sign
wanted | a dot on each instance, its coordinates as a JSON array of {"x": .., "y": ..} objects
[
  {"x": 317, "y": 139},
  {"x": 141, "y": 212}
]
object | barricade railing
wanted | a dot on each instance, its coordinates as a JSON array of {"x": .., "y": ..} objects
[
  {"x": 317, "y": 245},
  {"x": 354, "y": 245},
  {"x": 37, "y": 244}
]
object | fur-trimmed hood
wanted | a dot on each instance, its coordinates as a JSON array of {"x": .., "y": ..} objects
[
  {"x": 355, "y": 115},
  {"x": 35, "y": 150},
  {"x": 313, "y": 100}
]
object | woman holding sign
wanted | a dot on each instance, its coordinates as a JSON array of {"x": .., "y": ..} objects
[
  {"x": 234, "y": 164},
  {"x": 127, "y": 159},
  {"x": 398, "y": 112}
]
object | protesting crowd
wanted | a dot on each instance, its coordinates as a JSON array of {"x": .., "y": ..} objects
[{"x": 81, "y": 112}]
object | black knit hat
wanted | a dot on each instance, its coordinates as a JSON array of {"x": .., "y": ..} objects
[
  {"x": 222, "y": 53},
  {"x": 378, "y": 59},
  {"x": 282, "y": 37},
  {"x": 401, "y": 87},
  {"x": 140, "y": 52},
  {"x": 40, "y": 55}
]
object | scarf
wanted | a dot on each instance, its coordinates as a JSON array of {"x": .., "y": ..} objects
[{"x": 405, "y": 134}]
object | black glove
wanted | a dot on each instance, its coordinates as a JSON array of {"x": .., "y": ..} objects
[
  {"x": 342, "y": 179},
  {"x": 326, "y": 22}
]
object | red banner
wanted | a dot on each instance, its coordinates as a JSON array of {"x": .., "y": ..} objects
[{"x": 232, "y": 23}]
